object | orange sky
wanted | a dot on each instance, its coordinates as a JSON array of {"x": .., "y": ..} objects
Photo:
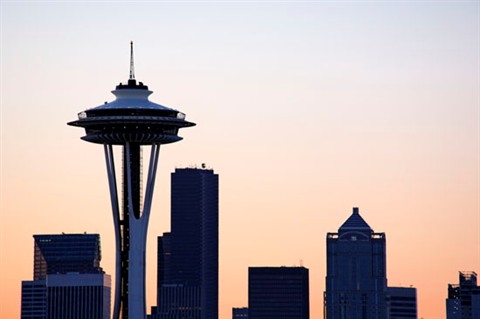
[{"x": 304, "y": 110}]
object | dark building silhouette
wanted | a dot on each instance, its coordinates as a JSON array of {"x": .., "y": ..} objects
[
  {"x": 464, "y": 298},
  {"x": 356, "y": 282},
  {"x": 240, "y": 313},
  {"x": 60, "y": 254},
  {"x": 68, "y": 280},
  {"x": 188, "y": 255},
  {"x": 402, "y": 302},
  {"x": 278, "y": 293}
]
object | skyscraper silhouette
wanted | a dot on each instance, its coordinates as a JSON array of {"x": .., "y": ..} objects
[
  {"x": 278, "y": 293},
  {"x": 356, "y": 282},
  {"x": 188, "y": 255},
  {"x": 68, "y": 280}
]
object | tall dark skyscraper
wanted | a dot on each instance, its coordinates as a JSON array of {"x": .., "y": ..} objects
[
  {"x": 464, "y": 298},
  {"x": 68, "y": 280},
  {"x": 131, "y": 122},
  {"x": 356, "y": 282},
  {"x": 188, "y": 255},
  {"x": 278, "y": 293}
]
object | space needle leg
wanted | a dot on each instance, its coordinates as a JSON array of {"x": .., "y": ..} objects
[
  {"x": 136, "y": 252},
  {"x": 116, "y": 219},
  {"x": 152, "y": 172},
  {"x": 138, "y": 237}
]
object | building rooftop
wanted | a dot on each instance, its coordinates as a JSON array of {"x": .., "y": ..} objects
[{"x": 355, "y": 222}]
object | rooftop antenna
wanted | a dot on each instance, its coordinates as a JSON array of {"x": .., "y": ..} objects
[{"x": 132, "y": 69}]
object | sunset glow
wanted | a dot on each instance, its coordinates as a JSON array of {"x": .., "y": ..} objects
[{"x": 304, "y": 110}]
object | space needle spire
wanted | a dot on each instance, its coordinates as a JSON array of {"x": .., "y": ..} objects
[
  {"x": 132, "y": 67},
  {"x": 131, "y": 122}
]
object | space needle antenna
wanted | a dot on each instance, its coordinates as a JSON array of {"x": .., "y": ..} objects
[{"x": 132, "y": 68}]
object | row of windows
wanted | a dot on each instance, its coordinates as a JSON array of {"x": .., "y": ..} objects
[
  {"x": 398, "y": 311},
  {"x": 412, "y": 299},
  {"x": 403, "y": 304}
]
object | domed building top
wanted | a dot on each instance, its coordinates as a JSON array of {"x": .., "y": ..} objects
[{"x": 132, "y": 96}]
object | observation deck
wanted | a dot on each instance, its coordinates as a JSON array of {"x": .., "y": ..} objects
[{"x": 131, "y": 117}]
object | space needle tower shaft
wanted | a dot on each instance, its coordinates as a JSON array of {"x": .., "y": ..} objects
[{"x": 131, "y": 122}]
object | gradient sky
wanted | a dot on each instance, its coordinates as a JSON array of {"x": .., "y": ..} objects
[{"x": 304, "y": 109}]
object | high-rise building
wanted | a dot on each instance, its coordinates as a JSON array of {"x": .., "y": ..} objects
[
  {"x": 188, "y": 255},
  {"x": 402, "y": 302},
  {"x": 240, "y": 313},
  {"x": 131, "y": 122},
  {"x": 278, "y": 293},
  {"x": 68, "y": 280},
  {"x": 356, "y": 282},
  {"x": 463, "y": 300}
]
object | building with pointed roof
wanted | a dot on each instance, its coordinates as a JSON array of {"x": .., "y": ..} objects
[
  {"x": 355, "y": 223},
  {"x": 356, "y": 282}
]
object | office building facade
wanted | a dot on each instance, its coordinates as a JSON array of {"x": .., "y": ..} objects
[
  {"x": 188, "y": 255},
  {"x": 463, "y": 300},
  {"x": 68, "y": 280},
  {"x": 402, "y": 302},
  {"x": 34, "y": 299},
  {"x": 278, "y": 293},
  {"x": 356, "y": 282},
  {"x": 61, "y": 254}
]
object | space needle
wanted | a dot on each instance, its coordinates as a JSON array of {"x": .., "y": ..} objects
[{"x": 130, "y": 122}]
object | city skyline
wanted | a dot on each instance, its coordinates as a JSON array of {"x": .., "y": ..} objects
[{"x": 305, "y": 110}]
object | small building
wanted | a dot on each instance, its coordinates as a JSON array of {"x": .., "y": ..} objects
[
  {"x": 402, "y": 302},
  {"x": 463, "y": 300},
  {"x": 278, "y": 292}
]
